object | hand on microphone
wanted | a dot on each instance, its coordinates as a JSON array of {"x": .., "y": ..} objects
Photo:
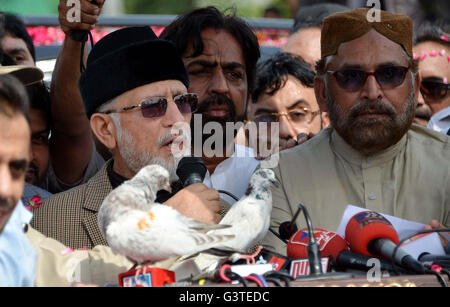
[{"x": 199, "y": 202}]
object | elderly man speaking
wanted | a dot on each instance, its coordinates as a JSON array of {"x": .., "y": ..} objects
[
  {"x": 372, "y": 156},
  {"x": 134, "y": 91}
]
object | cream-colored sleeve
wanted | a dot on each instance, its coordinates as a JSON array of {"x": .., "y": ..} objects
[{"x": 56, "y": 268}]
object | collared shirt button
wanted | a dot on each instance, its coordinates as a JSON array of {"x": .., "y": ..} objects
[{"x": 372, "y": 196}]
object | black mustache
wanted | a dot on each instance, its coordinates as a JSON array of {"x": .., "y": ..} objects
[
  {"x": 216, "y": 100},
  {"x": 371, "y": 107}
]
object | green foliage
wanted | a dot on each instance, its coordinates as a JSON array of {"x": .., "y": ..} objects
[
  {"x": 283, "y": 7},
  {"x": 165, "y": 7},
  {"x": 30, "y": 7},
  {"x": 176, "y": 7},
  {"x": 243, "y": 8}
]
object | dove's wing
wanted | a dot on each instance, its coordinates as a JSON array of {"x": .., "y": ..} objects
[
  {"x": 247, "y": 222},
  {"x": 159, "y": 234},
  {"x": 203, "y": 227}
]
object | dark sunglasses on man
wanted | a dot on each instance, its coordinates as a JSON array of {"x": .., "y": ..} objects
[
  {"x": 353, "y": 79},
  {"x": 157, "y": 106},
  {"x": 434, "y": 89}
]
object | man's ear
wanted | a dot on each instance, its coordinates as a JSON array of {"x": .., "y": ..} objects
[
  {"x": 325, "y": 120},
  {"x": 321, "y": 94},
  {"x": 104, "y": 129}
]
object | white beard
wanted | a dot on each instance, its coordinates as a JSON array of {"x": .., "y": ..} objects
[{"x": 136, "y": 159}]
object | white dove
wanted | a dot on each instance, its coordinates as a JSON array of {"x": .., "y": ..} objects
[
  {"x": 144, "y": 231},
  {"x": 250, "y": 216}
]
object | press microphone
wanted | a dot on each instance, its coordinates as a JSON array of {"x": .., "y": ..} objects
[
  {"x": 191, "y": 170},
  {"x": 330, "y": 244},
  {"x": 443, "y": 261},
  {"x": 287, "y": 229},
  {"x": 349, "y": 260},
  {"x": 369, "y": 233}
]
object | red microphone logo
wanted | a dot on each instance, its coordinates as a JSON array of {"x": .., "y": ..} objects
[{"x": 329, "y": 243}]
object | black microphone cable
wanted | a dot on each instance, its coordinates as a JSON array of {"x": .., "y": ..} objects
[
  {"x": 229, "y": 194},
  {"x": 315, "y": 262},
  {"x": 279, "y": 275},
  {"x": 428, "y": 271}
]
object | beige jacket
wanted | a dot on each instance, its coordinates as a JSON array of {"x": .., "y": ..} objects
[{"x": 410, "y": 180}]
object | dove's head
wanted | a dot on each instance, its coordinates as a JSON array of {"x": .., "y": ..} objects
[
  {"x": 154, "y": 175},
  {"x": 261, "y": 181}
]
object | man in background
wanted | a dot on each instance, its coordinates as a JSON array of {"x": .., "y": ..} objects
[
  {"x": 17, "y": 257},
  {"x": 368, "y": 83},
  {"x": 304, "y": 39},
  {"x": 49, "y": 168},
  {"x": 284, "y": 94},
  {"x": 220, "y": 52},
  {"x": 432, "y": 49}
]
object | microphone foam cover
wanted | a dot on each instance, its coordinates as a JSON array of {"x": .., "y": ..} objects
[
  {"x": 190, "y": 165},
  {"x": 330, "y": 243},
  {"x": 364, "y": 227}
]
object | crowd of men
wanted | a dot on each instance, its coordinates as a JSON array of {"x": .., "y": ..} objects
[{"x": 350, "y": 99}]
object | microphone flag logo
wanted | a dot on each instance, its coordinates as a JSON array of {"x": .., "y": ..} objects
[
  {"x": 323, "y": 237},
  {"x": 368, "y": 217}
]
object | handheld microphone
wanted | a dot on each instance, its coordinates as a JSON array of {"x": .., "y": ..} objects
[
  {"x": 191, "y": 170},
  {"x": 369, "y": 233},
  {"x": 287, "y": 229}
]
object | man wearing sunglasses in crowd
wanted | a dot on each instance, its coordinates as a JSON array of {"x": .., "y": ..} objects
[
  {"x": 432, "y": 49},
  {"x": 371, "y": 156},
  {"x": 134, "y": 90},
  {"x": 284, "y": 94},
  {"x": 220, "y": 52}
]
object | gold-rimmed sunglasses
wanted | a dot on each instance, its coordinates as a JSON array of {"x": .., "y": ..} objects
[{"x": 157, "y": 106}]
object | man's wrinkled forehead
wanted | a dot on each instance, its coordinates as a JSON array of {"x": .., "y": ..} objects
[
  {"x": 216, "y": 43},
  {"x": 370, "y": 49}
]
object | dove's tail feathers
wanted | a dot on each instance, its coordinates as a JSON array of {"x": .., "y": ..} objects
[
  {"x": 223, "y": 251},
  {"x": 208, "y": 241},
  {"x": 204, "y": 228}
]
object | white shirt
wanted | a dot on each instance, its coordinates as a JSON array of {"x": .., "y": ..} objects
[
  {"x": 233, "y": 174},
  {"x": 440, "y": 121},
  {"x": 17, "y": 256}
]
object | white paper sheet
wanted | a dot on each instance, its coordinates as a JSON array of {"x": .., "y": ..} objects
[{"x": 429, "y": 243}]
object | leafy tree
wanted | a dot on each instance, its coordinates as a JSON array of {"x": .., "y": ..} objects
[{"x": 166, "y": 7}]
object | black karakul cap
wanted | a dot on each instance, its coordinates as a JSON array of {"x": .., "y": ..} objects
[{"x": 124, "y": 60}]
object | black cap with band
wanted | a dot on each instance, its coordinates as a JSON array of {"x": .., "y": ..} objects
[{"x": 124, "y": 60}]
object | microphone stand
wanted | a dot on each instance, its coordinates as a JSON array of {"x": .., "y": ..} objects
[{"x": 315, "y": 263}]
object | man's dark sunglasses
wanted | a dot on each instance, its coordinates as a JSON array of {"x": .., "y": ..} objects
[
  {"x": 353, "y": 79},
  {"x": 157, "y": 106},
  {"x": 434, "y": 89}
]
